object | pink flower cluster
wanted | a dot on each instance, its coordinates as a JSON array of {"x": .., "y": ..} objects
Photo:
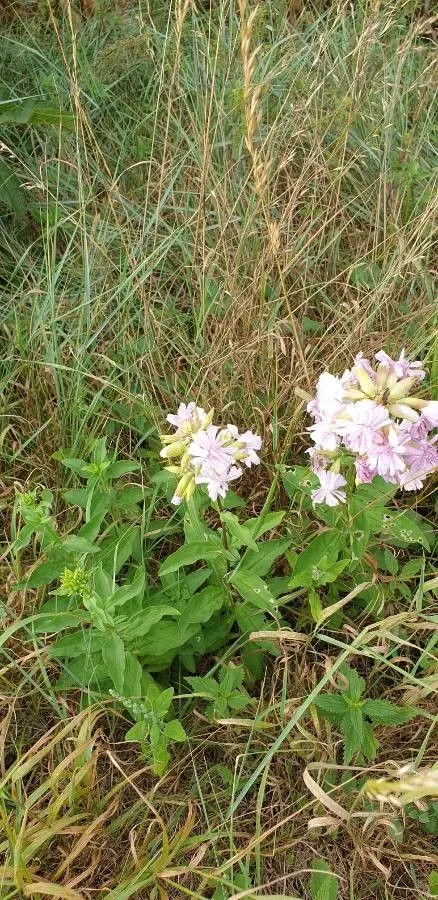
[
  {"x": 207, "y": 454},
  {"x": 370, "y": 413}
]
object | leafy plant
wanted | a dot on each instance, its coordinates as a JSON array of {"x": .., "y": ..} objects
[
  {"x": 357, "y": 716},
  {"x": 426, "y": 815},
  {"x": 226, "y": 694},
  {"x": 323, "y": 884}
]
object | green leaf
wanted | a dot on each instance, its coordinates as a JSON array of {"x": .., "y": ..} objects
[
  {"x": 369, "y": 500},
  {"x": 331, "y": 705},
  {"x": 300, "y": 480},
  {"x": 411, "y": 568},
  {"x": 138, "y": 732},
  {"x": 128, "y": 591},
  {"x": 325, "y": 545},
  {"x": 323, "y": 884},
  {"x": 174, "y": 731},
  {"x": 55, "y": 616},
  {"x": 356, "y": 684},
  {"x": 204, "y": 685},
  {"x": 140, "y": 623},
  {"x": 11, "y": 192},
  {"x": 262, "y": 524},
  {"x": 253, "y": 589},
  {"x": 370, "y": 743},
  {"x": 386, "y": 713},
  {"x": 407, "y": 527},
  {"x": 162, "y": 702},
  {"x": 352, "y": 730},
  {"x": 44, "y": 573},
  {"x": 132, "y": 676},
  {"x": 90, "y": 531},
  {"x": 201, "y": 607},
  {"x": 77, "y": 644},
  {"x": 34, "y": 111},
  {"x": 75, "y": 544},
  {"x": 113, "y": 654},
  {"x": 76, "y": 497},
  {"x": 231, "y": 677},
  {"x": 433, "y": 883},
  {"x": 121, "y": 467},
  {"x": 267, "y": 553},
  {"x": 189, "y": 554},
  {"x": 242, "y": 534}
]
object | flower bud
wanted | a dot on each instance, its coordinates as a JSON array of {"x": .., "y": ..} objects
[
  {"x": 382, "y": 376},
  {"x": 391, "y": 380},
  {"x": 402, "y": 411},
  {"x": 366, "y": 382},
  {"x": 183, "y": 484},
  {"x": 174, "y": 470},
  {"x": 402, "y": 388},
  {"x": 354, "y": 394},
  {"x": 413, "y": 402},
  {"x": 172, "y": 450}
]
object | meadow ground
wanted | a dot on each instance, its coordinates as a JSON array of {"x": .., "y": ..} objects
[{"x": 212, "y": 201}]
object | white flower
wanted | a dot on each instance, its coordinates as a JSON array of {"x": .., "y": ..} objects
[
  {"x": 332, "y": 490},
  {"x": 217, "y": 479},
  {"x": 186, "y": 413},
  {"x": 362, "y": 430},
  {"x": 209, "y": 446},
  {"x": 248, "y": 444},
  {"x": 401, "y": 367}
]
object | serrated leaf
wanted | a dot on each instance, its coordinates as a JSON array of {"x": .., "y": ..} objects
[
  {"x": 253, "y": 589},
  {"x": 386, "y": 713},
  {"x": 113, "y": 654},
  {"x": 356, "y": 684},
  {"x": 231, "y": 677},
  {"x": 323, "y": 884},
  {"x": 331, "y": 705},
  {"x": 204, "y": 685},
  {"x": 352, "y": 730},
  {"x": 189, "y": 554}
]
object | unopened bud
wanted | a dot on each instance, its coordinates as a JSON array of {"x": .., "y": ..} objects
[
  {"x": 401, "y": 411},
  {"x": 173, "y": 450},
  {"x": 402, "y": 388},
  {"x": 391, "y": 380},
  {"x": 183, "y": 484},
  {"x": 413, "y": 402},
  {"x": 174, "y": 470},
  {"x": 354, "y": 394},
  {"x": 381, "y": 376},
  {"x": 366, "y": 382}
]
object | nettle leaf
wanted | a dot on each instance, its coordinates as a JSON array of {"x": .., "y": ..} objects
[
  {"x": 370, "y": 744},
  {"x": 406, "y": 527},
  {"x": 267, "y": 553},
  {"x": 189, "y": 554},
  {"x": 323, "y": 884},
  {"x": 253, "y": 589},
  {"x": 386, "y": 713},
  {"x": 317, "y": 558},
  {"x": 231, "y": 677},
  {"x": 352, "y": 730},
  {"x": 356, "y": 684},
  {"x": 203, "y": 685},
  {"x": 241, "y": 534},
  {"x": 333, "y": 706},
  {"x": 113, "y": 654}
]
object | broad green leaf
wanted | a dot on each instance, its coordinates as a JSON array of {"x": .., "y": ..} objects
[
  {"x": 370, "y": 743},
  {"x": 433, "y": 883},
  {"x": 267, "y": 553},
  {"x": 386, "y": 713},
  {"x": 75, "y": 544},
  {"x": 86, "y": 641},
  {"x": 189, "y": 554},
  {"x": 260, "y": 525},
  {"x": 44, "y": 573},
  {"x": 356, "y": 684},
  {"x": 76, "y": 465},
  {"x": 162, "y": 702},
  {"x": 121, "y": 467},
  {"x": 34, "y": 111},
  {"x": 231, "y": 677},
  {"x": 174, "y": 731},
  {"x": 253, "y": 589},
  {"x": 132, "y": 676},
  {"x": 202, "y": 606},
  {"x": 204, "y": 685},
  {"x": 241, "y": 534},
  {"x": 407, "y": 527},
  {"x": 76, "y": 497},
  {"x": 138, "y": 732},
  {"x": 411, "y": 568},
  {"x": 113, "y": 654},
  {"x": 370, "y": 501},
  {"x": 90, "y": 531},
  {"x": 139, "y": 624},
  {"x": 332, "y": 705},
  {"x": 325, "y": 546},
  {"x": 55, "y": 615},
  {"x": 323, "y": 884},
  {"x": 352, "y": 730},
  {"x": 128, "y": 591},
  {"x": 300, "y": 480}
]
